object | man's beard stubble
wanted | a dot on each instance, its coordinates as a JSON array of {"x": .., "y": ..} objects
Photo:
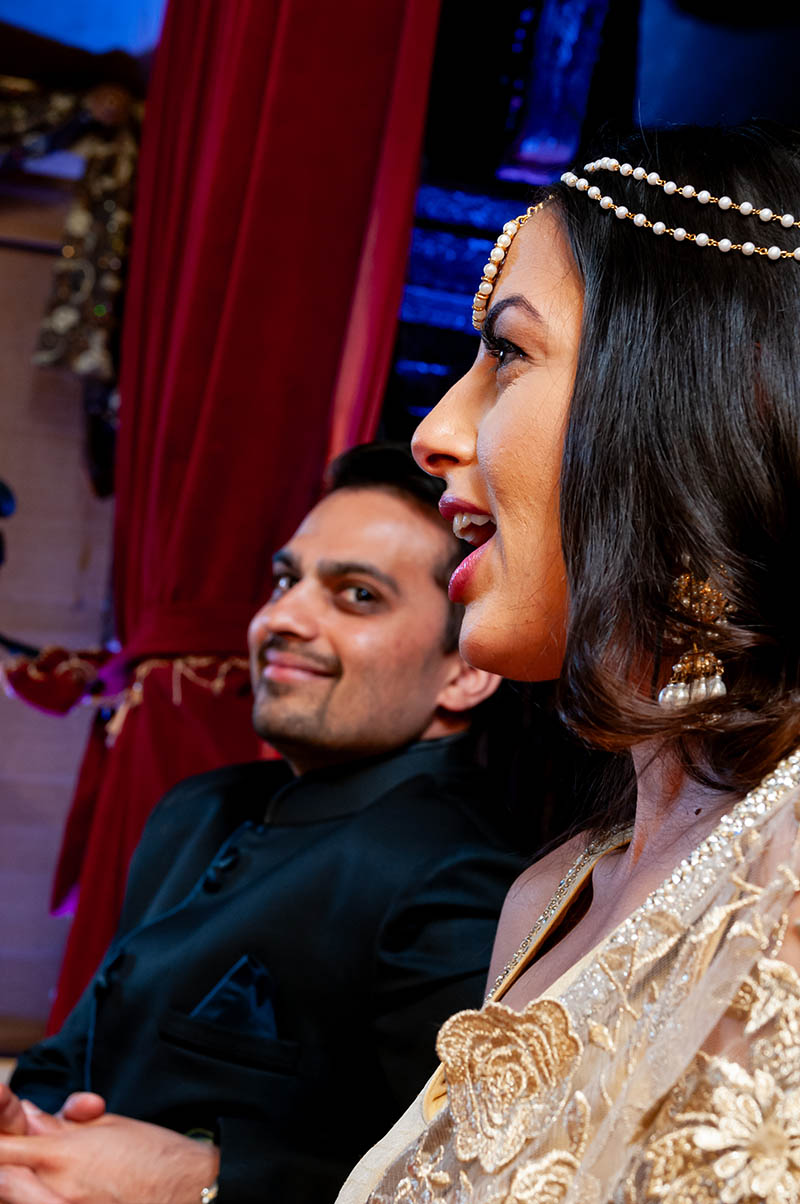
[{"x": 275, "y": 718}]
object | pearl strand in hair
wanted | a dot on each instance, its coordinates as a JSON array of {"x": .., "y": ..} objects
[
  {"x": 704, "y": 197},
  {"x": 497, "y": 257}
]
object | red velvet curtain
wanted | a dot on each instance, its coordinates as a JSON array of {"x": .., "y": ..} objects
[{"x": 275, "y": 200}]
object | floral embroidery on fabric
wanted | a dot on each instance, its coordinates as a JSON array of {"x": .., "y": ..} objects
[
  {"x": 425, "y": 1179},
  {"x": 508, "y": 1076},
  {"x": 545, "y": 1181},
  {"x": 743, "y": 1146},
  {"x": 769, "y": 1003},
  {"x": 667, "y": 1069}
]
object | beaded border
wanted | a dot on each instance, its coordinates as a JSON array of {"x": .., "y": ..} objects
[
  {"x": 497, "y": 256},
  {"x": 688, "y": 192}
]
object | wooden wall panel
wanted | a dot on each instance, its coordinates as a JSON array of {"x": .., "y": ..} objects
[{"x": 53, "y": 588}]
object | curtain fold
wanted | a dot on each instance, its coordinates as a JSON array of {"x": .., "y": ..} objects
[
  {"x": 367, "y": 351},
  {"x": 276, "y": 184}
]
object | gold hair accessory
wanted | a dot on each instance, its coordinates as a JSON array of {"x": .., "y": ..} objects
[
  {"x": 697, "y": 675},
  {"x": 704, "y": 197},
  {"x": 497, "y": 257}
]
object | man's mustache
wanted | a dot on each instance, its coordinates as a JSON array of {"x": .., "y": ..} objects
[{"x": 279, "y": 643}]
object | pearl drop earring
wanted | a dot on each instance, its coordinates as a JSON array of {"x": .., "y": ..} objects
[{"x": 697, "y": 675}]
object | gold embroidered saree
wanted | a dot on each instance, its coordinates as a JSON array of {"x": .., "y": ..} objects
[{"x": 664, "y": 1067}]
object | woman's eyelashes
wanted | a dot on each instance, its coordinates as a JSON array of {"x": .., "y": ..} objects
[{"x": 500, "y": 349}]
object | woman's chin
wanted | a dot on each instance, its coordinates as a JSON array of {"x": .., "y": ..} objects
[{"x": 489, "y": 641}]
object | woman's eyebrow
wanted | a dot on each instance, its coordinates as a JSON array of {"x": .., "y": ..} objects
[{"x": 519, "y": 302}]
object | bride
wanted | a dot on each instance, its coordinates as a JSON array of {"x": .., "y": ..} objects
[{"x": 624, "y": 455}]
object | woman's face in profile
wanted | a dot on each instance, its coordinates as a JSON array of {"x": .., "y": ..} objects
[{"x": 497, "y": 439}]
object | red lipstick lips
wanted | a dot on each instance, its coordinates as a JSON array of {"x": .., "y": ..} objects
[
  {"x": 476, "y": 527},
  {"x": 450, "y": 506}
]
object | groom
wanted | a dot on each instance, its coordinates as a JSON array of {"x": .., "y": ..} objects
[{"x": 293, "y": 933}]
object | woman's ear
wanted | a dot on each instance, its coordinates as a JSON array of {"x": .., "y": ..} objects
[{"x": 466, "y": 687}]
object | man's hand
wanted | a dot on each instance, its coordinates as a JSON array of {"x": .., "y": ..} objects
[
  {"x": 12, "y": 1115},
  {"x": 19, "y": 1117},
  {"x": 111, "y": 1160}
]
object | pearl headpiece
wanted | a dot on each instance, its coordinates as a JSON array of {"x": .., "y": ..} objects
[
  {"x": 704, "y": 197},
  {"x": 496, "y": 259}
]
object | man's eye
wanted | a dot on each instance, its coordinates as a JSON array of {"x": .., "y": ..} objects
[
  {"x": 359, "y": 594},
  {"x": 281, "y": 582}
]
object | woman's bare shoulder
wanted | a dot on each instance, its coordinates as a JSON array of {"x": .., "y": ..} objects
[{"x": 528, "y": 897}]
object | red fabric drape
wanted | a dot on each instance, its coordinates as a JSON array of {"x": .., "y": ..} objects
[
  {"x": 367, "y": 351},
  {"x": 268, "y": 124}
]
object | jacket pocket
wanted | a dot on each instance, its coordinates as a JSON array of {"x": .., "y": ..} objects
[{"x": 228, "y": 1045}]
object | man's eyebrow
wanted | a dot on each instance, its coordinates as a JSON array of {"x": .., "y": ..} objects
[
  {"x": 518, "y": 301},
  {"x": 358, "y": 568},
  {"x": 286, "y": 559}
]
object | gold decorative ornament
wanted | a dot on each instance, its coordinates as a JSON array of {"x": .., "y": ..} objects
[{"x": 697, "y": 675}]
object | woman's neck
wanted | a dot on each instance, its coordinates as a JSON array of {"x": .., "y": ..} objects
[{"x": 673, "y": 812}]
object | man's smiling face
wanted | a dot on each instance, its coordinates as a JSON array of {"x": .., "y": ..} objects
[{"x": 347, "y": 657}]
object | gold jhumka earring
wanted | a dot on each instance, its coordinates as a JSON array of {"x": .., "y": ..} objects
[{"x": 697, "y": 675}]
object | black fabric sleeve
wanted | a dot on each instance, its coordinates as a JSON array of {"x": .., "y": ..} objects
[
  {"x": 48, "y": 1072},
  {"x": 252, "y": 1170},
  {"x": 432, "y": 959}
]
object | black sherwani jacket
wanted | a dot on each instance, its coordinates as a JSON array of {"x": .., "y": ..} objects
[{"x": 287, "y": 951}]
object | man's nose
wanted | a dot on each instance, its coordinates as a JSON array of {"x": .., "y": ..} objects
[{"x": 294, "y": 612}]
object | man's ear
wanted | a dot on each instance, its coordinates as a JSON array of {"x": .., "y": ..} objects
[{"x": 466, "y": 687}]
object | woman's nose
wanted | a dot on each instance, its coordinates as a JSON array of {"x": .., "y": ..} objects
[{"x": 446, "y": 437}]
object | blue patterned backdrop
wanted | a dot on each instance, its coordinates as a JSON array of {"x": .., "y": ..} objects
[{"x": 96, "y": 25}]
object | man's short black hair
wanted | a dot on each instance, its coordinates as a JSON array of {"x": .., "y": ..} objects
[
  {"x": 390, "y": 466},
  {"x": 383, "y": 464}
]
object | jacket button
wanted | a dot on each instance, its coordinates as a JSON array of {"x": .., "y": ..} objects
[
  {"x": 103, "y": 978},
  {"x": 228, "y": 860}
]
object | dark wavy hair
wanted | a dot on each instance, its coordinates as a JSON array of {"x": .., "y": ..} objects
[{"x": 683, "y": 446}]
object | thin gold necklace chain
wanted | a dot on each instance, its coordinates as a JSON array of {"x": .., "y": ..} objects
[{"x": 592, "y": 853}]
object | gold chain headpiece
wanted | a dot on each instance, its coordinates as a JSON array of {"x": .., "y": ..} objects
[
  {"x": 497, "y": 257},
  {"x": 499, "y": 251},
  {"x": 704, "y": 197}
]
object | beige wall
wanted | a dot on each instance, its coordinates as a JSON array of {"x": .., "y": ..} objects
[{"x": 52, "y": 590}]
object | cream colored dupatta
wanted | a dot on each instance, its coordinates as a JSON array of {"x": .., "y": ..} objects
[{"x": 667, "y": 1068}]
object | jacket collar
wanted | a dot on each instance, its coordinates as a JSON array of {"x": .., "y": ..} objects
[{"x": 345, "y": 789}]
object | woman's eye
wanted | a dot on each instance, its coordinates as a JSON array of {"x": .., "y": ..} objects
[{"x": 501, "y": 350}]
